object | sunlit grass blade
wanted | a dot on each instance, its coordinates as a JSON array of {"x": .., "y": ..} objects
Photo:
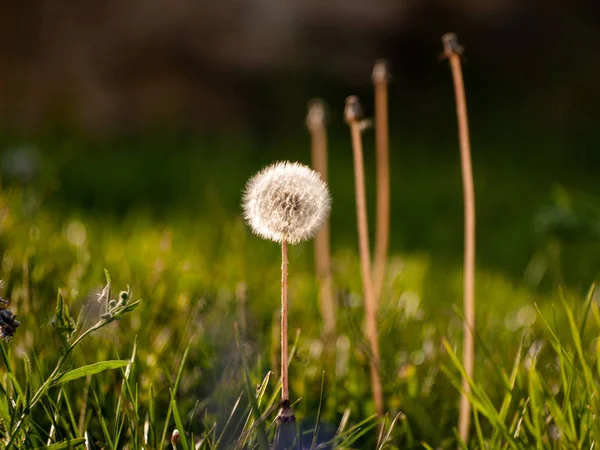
[
  {"x": 102, "y": 421},
  {"x": 506, "y": 401},
  {"x": 261, "y": 433},
  {"x": 152, "y": 419},
  {"x": 482, "y": 345},
  {"x": 70, "y": 415},
  {"x": 459, "y": 442},
  {"x": 387, "y": 438},
  {"x": 229, "y": 419},
  {"x": 350, "y": 436},
  {"x": 343, "y": 422},
  {"x": 318, "y": 421},
  {"x": 478, "y": 397},
  {"x": 478, "y": 430},
  {"x": 5, "y": 352},
  {"x": 591, "y": 384},
  {"x": 126, "y": 393},
  {"x": 175, "y": 388},
  {"x": 586, "y": 310},
  {"x": 178, "y": 422}
]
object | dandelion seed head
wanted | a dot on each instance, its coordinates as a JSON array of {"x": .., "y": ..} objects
[{"x": 286, "y": 201}]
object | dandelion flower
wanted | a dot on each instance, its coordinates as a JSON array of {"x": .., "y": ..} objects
[{"x": 286, "y": 202}]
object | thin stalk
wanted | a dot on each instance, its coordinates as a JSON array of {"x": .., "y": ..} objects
[
  {"x": 452, "y": 51},
  {"x": 315, "y": 122},
  {"x": 353, "y": 116},
  {"x": 285, "y": 392},
  {"x": 52, "y": 429},
  {"x": 86, "y": 393},
  {"x": 241, "y": 294},
  {"x": 275, "y": 351},
  {"x": 382, "y": 144}
]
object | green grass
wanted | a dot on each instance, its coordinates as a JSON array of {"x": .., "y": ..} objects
[{"x": 176, "y": 238}]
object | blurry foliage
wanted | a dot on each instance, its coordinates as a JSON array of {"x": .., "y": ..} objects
[{"x": 167, "y": 223}]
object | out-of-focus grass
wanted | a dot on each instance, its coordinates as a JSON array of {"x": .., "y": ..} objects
[
  {"x": 191, "y": 177},
  {"x": 171, "y": 230}
]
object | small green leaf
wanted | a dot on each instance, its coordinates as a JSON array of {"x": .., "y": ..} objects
[
  {"x": 107, "y": 275},
  {"x": 91, "y": 369},
  {"x": 73, "y": 443},
  {"x": 62, "y": 321}
]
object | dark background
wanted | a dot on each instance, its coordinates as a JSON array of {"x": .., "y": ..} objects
[
  {"x": 117, "y": 65},
  {"x": 169, "y": 107}
]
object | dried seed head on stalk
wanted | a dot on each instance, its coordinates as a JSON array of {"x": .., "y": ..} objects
[
  {"x": 286, "y": 201},
  {"x": 381, "y": 73},
  {"x": 353, "y": 111},
  {"x": 317, "y": 115},
  {"x": 451, "y": 45}
]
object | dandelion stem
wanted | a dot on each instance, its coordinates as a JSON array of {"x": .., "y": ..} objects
[
  {"x": 380, "y": 80},
  {"x": 285, "y": 393},
  {"x": 452, "y": 51},
  {"x": 315, "y": 122},
  {"x": 352, "y": 117}
]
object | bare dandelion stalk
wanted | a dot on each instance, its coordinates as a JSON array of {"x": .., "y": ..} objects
[
  {"x": 275, "y": 354},
  {"x": 286, "y": 203},
  {"x": 382, "y": 236},
  {"x": 452, "y": 51},
  {"x": 315, "y": 122},
  {"x": 353, "y": 115},
  {"x": 285, "y": 390}
]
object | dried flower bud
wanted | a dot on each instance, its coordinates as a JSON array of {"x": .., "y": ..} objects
[
  {"x": 381, "y": 72},
  {"x": 175, "y": 438},
  {"x": 286, "y": 202},
  {"x": 451, "y": 45},
  {"x": 315, "y": 119},
  {"x": 123, "y": 297},
  {"x": 112, "y": 304},
  {"x": 353, "y": 111}
]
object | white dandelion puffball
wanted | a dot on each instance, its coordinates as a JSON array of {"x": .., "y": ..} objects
[{"x": 286, "y": 201}]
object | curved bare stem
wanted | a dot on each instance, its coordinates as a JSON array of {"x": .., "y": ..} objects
[
  {"x": 352, "y": 117},
  {"x": 452, "y": 51}
]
